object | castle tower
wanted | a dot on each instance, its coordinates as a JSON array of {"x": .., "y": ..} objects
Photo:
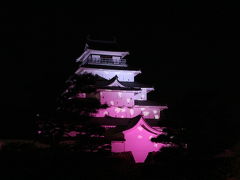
[{"x": 129, "y": 111}]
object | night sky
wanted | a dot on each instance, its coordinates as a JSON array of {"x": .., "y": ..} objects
[{"x": 185, "y": 51}]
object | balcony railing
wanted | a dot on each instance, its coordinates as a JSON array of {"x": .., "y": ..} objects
[{"x": 107, "y": 61}]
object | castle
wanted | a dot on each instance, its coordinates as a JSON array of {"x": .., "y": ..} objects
[{"x": 130, "y": 116}]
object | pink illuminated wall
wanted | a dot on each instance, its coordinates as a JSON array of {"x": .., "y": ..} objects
[
  {"x": 119, "y": 112},
  {"x": 117, "y": 98},
  {"x": 122, "y": 105},
  {"x": 149, "y": 112},
  {"x": 130, "y": 112},
  {"x": 138, "y": 141}
]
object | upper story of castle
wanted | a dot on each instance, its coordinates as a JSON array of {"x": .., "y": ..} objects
[
  {"x": 103, "y": 53},
  {"x": 106, "y": 59},
  {"x": 117, "y": 87}
]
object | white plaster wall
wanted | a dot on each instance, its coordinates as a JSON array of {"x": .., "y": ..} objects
[{"x": 142, "y": 95}]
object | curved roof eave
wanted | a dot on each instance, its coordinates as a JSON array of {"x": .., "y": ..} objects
[{"x": 144, "y": 124}]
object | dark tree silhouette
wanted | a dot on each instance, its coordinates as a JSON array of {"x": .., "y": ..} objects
[{"x": 73, "y": 114}]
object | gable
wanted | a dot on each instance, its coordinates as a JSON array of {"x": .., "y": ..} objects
[
  {"x": 144, "y": 126},
  {"x": 115, "y": 83}
]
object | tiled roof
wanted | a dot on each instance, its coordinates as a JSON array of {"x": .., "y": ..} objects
[
  {"x": 103, "y": 83},
  {"x": 121, "y": 124}
]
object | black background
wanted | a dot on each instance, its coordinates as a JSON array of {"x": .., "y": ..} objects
[{"x": 187, "y": 51}]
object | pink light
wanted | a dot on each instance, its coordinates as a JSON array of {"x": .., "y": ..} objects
[
  {"x": 140, "y": 128},
  {"x": 145, "y": 113},
  {"x": 73, "y": 133},
  {"x": 82, "y": 95},
  {"x": 131, "y": 111},
  {"x": 111, "y": 102},
  {"x": 139, "y": 141},
  {"x": 117, "y": 110},
  {"x": 119, "y": 94}
]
